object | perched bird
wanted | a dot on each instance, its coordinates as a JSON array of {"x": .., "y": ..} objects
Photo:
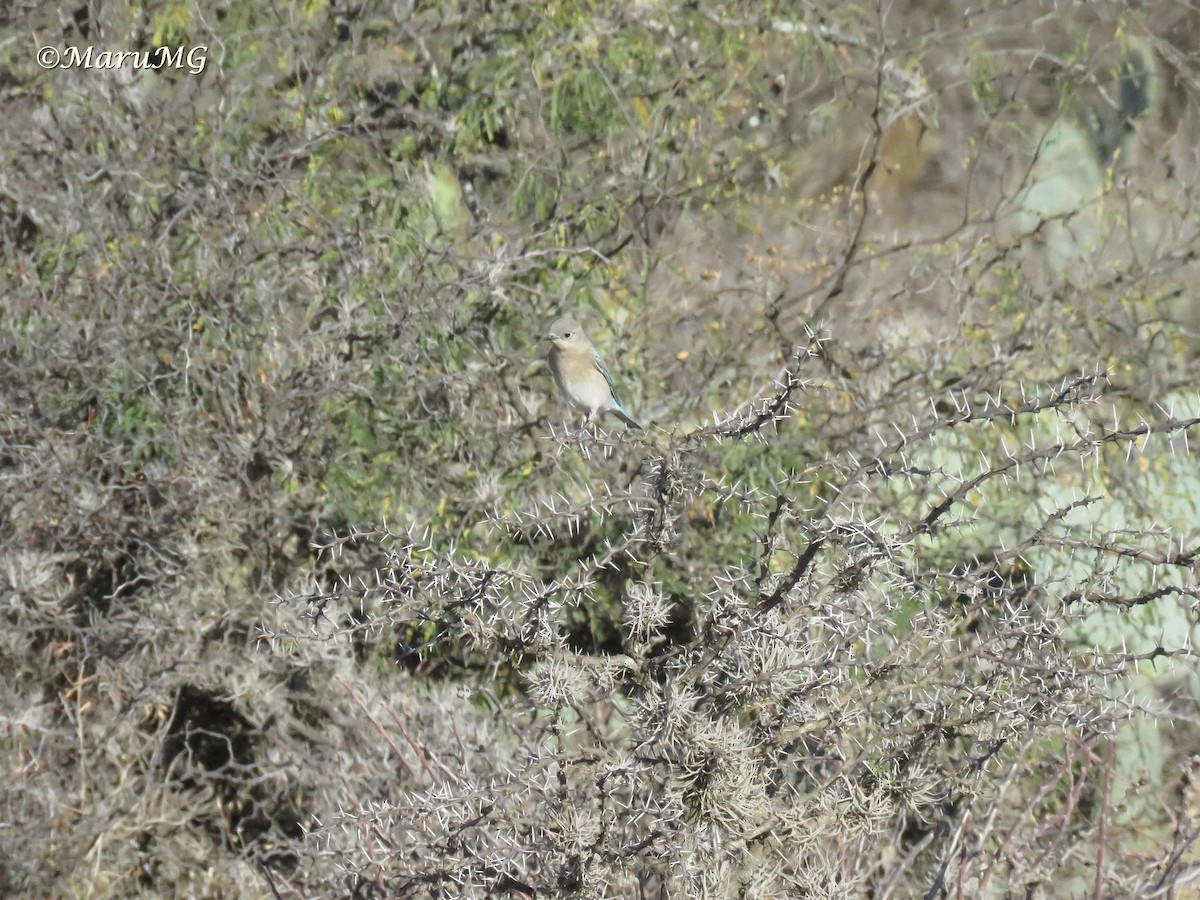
[{"x": 583, "y": 379}]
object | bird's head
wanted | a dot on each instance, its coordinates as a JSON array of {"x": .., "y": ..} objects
[{"x": 566, "y": 333}]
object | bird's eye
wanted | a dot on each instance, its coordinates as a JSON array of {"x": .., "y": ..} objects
[{"x": 566, "y": 334}]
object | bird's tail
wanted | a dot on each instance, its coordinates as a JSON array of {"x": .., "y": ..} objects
[{"x": 626, "y": 418}]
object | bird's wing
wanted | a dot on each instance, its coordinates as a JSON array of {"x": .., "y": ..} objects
[{"x": 603, "y": 370}]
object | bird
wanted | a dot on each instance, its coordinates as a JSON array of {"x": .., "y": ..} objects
[{"x": 583, "y": 380}]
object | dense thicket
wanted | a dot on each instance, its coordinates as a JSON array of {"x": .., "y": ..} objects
[{"x": 311, "y": 586}]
